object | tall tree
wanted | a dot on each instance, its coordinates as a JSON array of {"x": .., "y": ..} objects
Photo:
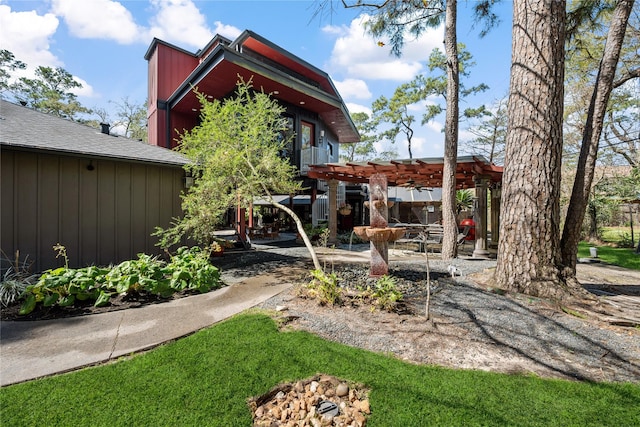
[
  {"x": 490, "y": 133},
  {"x": 131, "y": 118},
  {"x": 449, "y": 218},
  {"x": 235, "y": 155},
  {"x": 51, "y": 92},
  {"x": 365, "y": 149},
  {"x": 396, "y": 111},
  {"x": 591, "y": 137},
  {"x": 528, "y": 251},
  {"x": 397, "y": 20},
  {"x": 8, "y": 64}
]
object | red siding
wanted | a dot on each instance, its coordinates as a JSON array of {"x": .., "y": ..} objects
[
  {"x": 168, "y": 68},
  {"x": 173, "y": 68}
]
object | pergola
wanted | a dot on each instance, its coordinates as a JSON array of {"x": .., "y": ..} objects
[{"x": 471, "y": 172}]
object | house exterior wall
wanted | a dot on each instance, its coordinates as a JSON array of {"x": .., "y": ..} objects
[{"x": 102, "y": 216}]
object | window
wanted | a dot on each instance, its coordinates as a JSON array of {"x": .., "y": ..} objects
[{"x": 306, "y": 135}]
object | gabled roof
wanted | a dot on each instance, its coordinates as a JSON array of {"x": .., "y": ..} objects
[
  {"x": 27, "y": 129},
  {"x": 272, "y": 69}
]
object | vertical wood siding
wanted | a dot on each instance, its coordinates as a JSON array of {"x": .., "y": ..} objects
[{"x": 102, "y": 216}]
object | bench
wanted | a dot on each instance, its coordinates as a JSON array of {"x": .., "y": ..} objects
[{"x": 423, "y": 235}]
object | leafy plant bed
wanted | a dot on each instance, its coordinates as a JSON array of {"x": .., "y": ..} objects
[
  {"x": 147, "y": 278},
  {"x": 85, "y": 308}
]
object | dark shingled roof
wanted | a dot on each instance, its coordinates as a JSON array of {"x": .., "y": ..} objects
[{"x": 24, "y": 128}]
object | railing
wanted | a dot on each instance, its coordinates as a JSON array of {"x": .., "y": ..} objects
[
  {"x": 320, "y": 208},
  {"x": 312, "y": 156}
]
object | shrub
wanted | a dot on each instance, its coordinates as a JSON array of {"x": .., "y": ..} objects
[
  {"x": 324, "y": 287},
  {"x": 385, "y": 293}
]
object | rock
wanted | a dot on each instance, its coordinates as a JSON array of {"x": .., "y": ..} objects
[
  {"x": 259, "y": 412},
  {"x": 364, "y": 406},
  {"x": 314, "y": 386},
  {"x": 281, "y": 308},
  {"x": 330, "y": 392},
  {"x": 359, "y": 418},
  {"x": 276, "y": 412},
  {"x": 281, "y": 395},
  {"x": 342, "y": 390}
]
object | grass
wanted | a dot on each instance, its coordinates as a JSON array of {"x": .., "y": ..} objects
[
  {"x": 622, "y": 257},
  {"x": 617, "y": 234},
  {"x": 206, "y": 378}
]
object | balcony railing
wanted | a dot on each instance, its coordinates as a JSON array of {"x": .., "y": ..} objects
[{"x": 312, "y": 156}]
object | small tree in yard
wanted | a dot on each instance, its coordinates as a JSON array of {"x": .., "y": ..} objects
[{"x": 235, "y": 158}]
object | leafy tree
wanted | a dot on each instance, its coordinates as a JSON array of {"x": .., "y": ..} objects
[
  {"x": 435, "y": 84},
  {"x": 132, "y": 118},
  {"x": 399, "y": 19},
  {"x": 595, "y": 118},
  {"x": 235, "y": 157},
  {"x": 8, "y": 63},
  {"x": 490, "y": 133},
  {"x": 365, "y": 149},
  {"x": 50, "y": 92},
  {"x": 395, "y": 111}
]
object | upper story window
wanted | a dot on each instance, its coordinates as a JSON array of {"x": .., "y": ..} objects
[
  {"x": 288, "y": 151},
  {"x": 306, "y": 135}
]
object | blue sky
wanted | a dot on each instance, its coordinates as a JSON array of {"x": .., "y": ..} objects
[{"x": 103, "y": 42}]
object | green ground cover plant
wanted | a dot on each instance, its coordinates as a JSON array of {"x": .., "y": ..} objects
[
  {"x": 622, "y": 257},
  {"x": 188, "y": 269},
  {"x": 206, "y": 379}
]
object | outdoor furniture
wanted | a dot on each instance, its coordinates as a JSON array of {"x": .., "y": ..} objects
[{"x": 271, "y": 231}]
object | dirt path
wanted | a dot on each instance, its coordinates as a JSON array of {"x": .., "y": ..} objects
[{"x": 618, "y": 290}]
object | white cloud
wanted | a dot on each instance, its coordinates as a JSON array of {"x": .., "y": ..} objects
[
  {"x": 358, "y": 55},
  {"x": 358, "y": 108},
  {"x": 353, "y": 89},
  {"x": 181, "y": 22},
  {"x": 98, "y": 19},
  {"x": 228, "y": 31},
  {"x": 86, "y": 90},
  {"x": 28, "y": 36}
]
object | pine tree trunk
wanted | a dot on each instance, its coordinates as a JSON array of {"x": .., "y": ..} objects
[
  {"x": 593, "y": 223},
  {"x": 449, "y": 222},
  {"x": 529, "y": 247},
  {"x": 591, "y": 136}
]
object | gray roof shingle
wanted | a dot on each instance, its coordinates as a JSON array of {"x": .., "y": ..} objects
[{"x": 24, "y": 128}]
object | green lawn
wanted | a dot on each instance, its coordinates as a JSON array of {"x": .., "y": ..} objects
[
  {"x": 205, "y": 379},
  {"x": 623, "y": 257}
]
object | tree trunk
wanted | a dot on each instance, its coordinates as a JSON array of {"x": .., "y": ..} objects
[
  {"x": 593, "y": 223},
  {"x": 300, "y": 227},
  {"x": 591, "y": 136},
  {"x": 529, "y": 247},
  {"x": 449, "y": 221}
]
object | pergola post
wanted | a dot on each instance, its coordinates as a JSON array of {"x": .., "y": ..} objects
[
  {"x": 333, "y": 211},
  {"x": 496, "y": 192},
  {"x": 480, "y": 218}
]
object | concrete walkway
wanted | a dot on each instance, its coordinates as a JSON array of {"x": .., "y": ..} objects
[{"x": 34, "y": 349}]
